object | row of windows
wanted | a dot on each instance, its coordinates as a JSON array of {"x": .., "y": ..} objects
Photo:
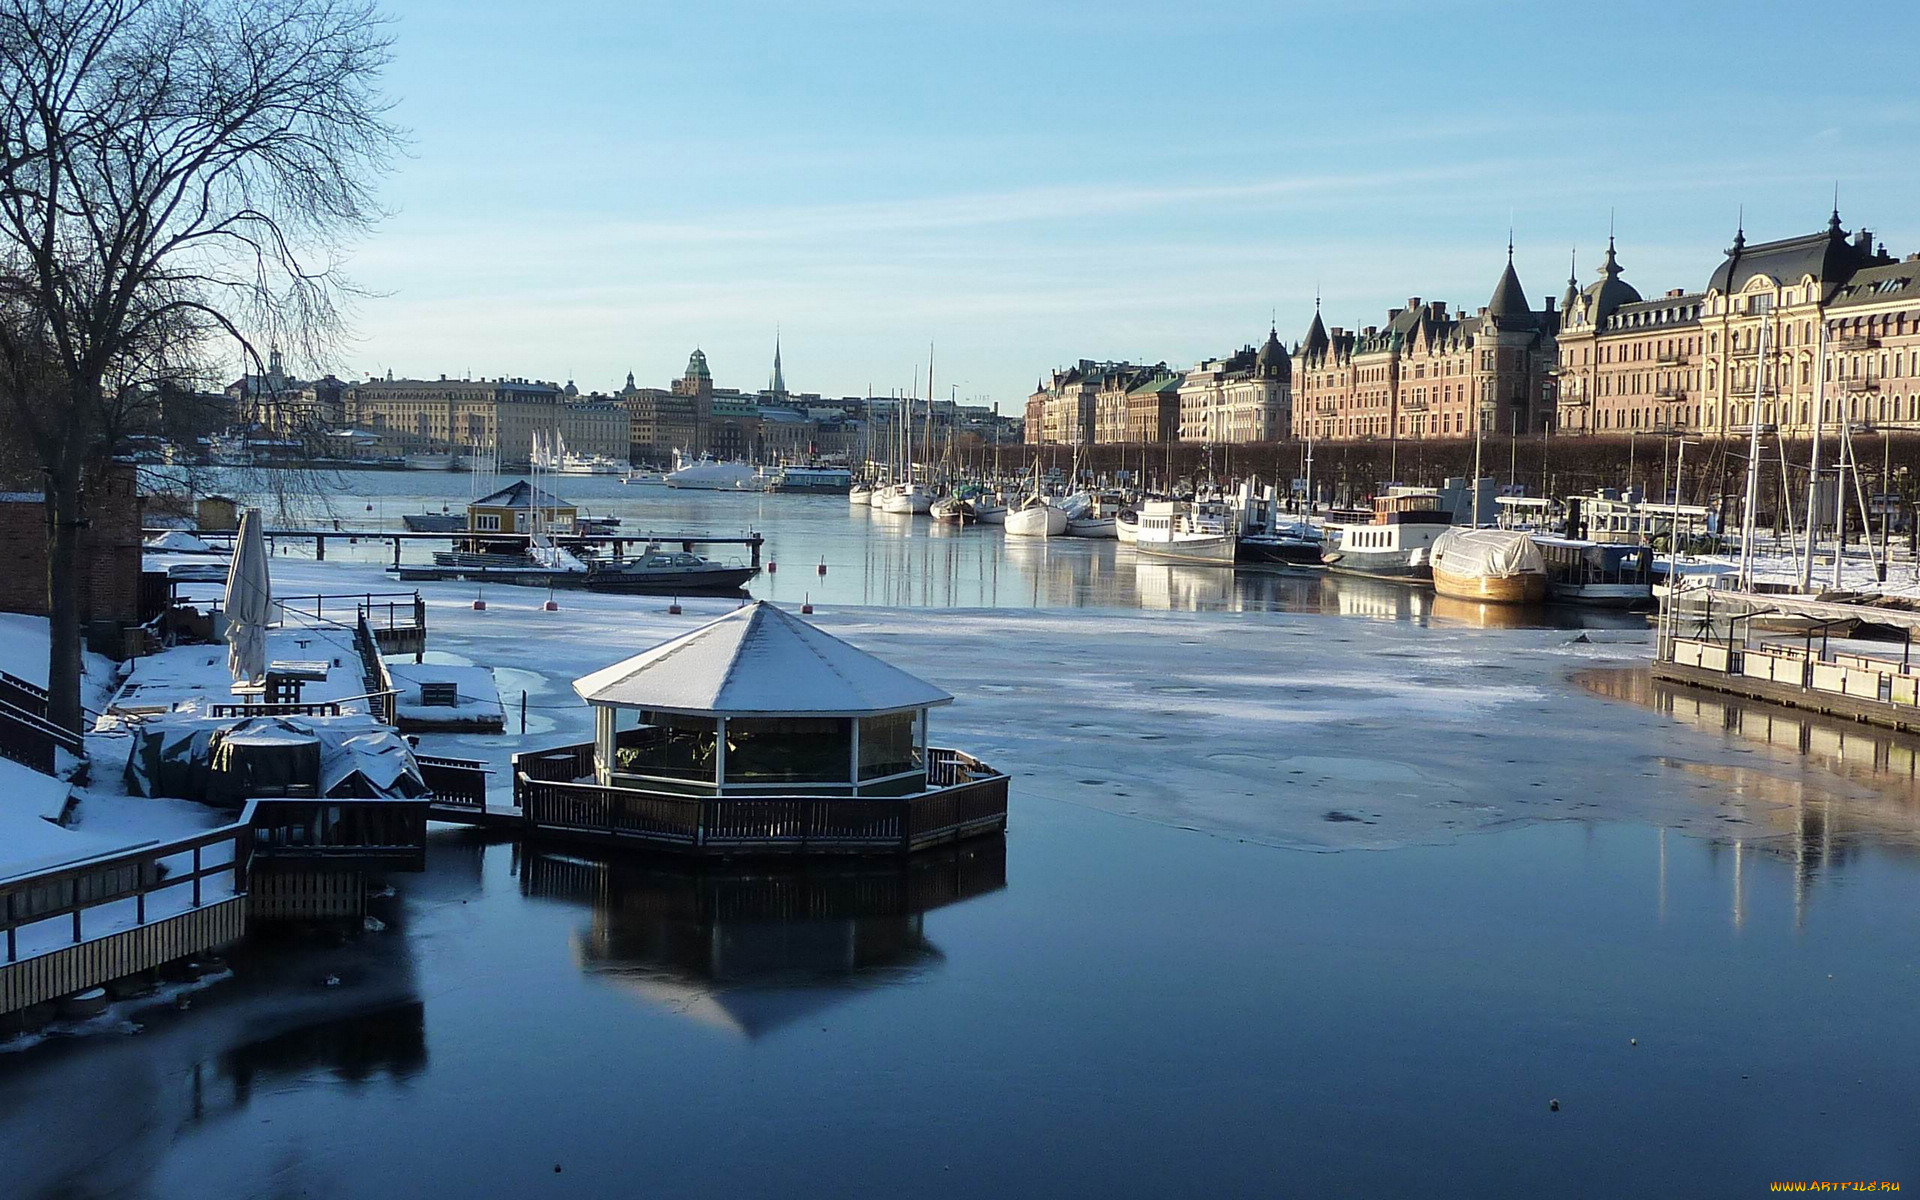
[{"x": 1883, "y": 408}]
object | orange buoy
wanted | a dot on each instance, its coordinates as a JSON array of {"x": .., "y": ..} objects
[
  {"x": 772, "y": 566},
  {"x": 823, "y": 568},
  {"x": 806, "y": 607},
  {"x": 674, "y": 608},
  {"x": 479, "y": 606},
  {"x": 551, "y": 606}
]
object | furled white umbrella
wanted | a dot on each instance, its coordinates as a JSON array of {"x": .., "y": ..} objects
[{"x": 249, "y": 603}]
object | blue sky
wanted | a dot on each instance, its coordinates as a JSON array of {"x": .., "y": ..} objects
[{"x": 595, "y": 188}]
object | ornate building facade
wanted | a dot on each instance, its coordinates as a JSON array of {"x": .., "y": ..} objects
[
  {"x": 1429, "y": 373},
  {"x": 1247, "y": 397},
  {"x": 1746, "y": 349}
]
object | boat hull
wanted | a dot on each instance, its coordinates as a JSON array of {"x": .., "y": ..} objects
[
  {"x": 1204, "y": 551},
  {"x": 1128, "y": 532},
  {"x": 990, "y": 516},
  {"x": 1398, "y": 566},
  {"x": 1527, "y": 588},
  {"x": 687, "y": 582},
  {"x": 861, "y": 496},
  {"x": 1042, "y": 520},
  {"x": 1292, "y": 552},
  {"x": 1601, "y": 595},
  {"x": 908, "y": 505},
  {"x": 1092, "y": 527}
]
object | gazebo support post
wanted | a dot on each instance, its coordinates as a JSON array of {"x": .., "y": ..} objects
[
  {"x": 719, "y": 755},
  {"x": 853, "y": 756},
  {"x": 926, "y": 768},
  {"x": 603, "y": 744}
]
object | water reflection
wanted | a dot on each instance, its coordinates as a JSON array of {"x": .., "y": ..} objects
[
  {"x": 752, "y": 949},
  {"x": 1827, "y": 790}
]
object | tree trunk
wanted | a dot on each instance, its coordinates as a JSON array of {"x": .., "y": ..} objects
[{"x": 64, "y": 520}]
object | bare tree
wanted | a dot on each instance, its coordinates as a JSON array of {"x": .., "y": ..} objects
[{"x": 172, "y": 172}]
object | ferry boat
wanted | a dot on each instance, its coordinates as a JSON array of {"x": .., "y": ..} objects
[
  {"x": 1200, "y": 533},
  {"x": 1493, "y": 566},
  {"x": 826, "y": 481},
  {"x": 1614, "y": 575},
  {"x": 1396, "y": 544},
  {"x": 705, "y": 474}
]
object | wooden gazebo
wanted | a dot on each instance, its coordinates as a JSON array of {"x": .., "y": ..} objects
[{"x": 759, "y": 732}]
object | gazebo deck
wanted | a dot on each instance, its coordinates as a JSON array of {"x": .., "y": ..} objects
[{"x": 556, "y": 792}]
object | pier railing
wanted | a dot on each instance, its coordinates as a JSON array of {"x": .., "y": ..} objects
[
  {"x": 457, "y": 783},
  {"x": 31, "y": 740},
  {"x": 964, "y": 798},
  {"x": 73, "y": 925}
]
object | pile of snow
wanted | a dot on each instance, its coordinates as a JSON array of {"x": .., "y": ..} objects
[{"x": 182, "y": 542}]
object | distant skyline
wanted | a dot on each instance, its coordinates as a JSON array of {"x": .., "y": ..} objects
[{"x": 597, "y": 188}]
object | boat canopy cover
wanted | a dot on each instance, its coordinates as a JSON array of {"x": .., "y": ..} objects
[
  {"x": 1487, "y": 553},
  {"x": 758, "y": 661}
]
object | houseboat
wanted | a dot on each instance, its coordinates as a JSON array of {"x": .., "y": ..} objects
[
  {"x": 1492, "y": 566},
  {"x": 1396, "y": 544}
]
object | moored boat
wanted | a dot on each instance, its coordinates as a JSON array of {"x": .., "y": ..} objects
[
  {"x": 1036, "y": 518},
  {"x": 1606, "y": 574},
  {"x": 666, "y": 572},
  {"x": 860, "y": 494},
  {"x": 905, "y": 499},
  {"x": 1396, "y": 544},
  {"x": 1198, "y": 533},
  {"x": 707, "y": 475},
  {"x": 1495, "y": 566}
]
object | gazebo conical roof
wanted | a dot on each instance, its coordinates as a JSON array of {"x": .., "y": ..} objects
[{"x": 758, "y": 661}]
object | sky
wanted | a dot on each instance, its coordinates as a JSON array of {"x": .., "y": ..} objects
[{"x": 598, "y": 188}]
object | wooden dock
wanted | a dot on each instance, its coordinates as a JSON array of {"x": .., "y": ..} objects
[{"x": 753, "y": 540}]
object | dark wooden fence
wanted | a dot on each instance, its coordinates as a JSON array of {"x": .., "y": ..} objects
[
  {"x": 31, "y": 740},
  {"x": 457, "y": 783}
]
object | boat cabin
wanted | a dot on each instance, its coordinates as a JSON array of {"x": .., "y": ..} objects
[{"x": 1410, "y": 506}]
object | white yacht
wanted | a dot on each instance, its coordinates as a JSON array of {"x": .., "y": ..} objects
[
  {"x": 705, "y": 474},
  {"x": 1036, "y": 518}
]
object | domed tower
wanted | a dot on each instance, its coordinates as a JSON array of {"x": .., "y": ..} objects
[{"x": 1272, "y": 361}]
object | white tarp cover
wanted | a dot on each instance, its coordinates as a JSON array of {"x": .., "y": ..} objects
[
  {"x": 249, "y": 603},
  {"x": 1487, "y": 553}
]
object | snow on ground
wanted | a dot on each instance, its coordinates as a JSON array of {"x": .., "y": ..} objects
[
  {"x": 1297, "y": 730},
  {"x": 189, "y": 678},
  {"x": 479, "y": 698},
  {"x": 23, "y": 654}
]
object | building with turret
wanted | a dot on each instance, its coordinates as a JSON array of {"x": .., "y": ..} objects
[
  {"x": 1246, "y": 397},
  {"x": 1431, "y": 373},
  {"x": 1746, "y": 349}
]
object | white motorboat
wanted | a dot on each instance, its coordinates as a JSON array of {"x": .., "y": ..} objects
[
  {"x": 707, "y": 475},
  {"x": 644, "y": 479},
  {"x": 1126, "y": 526},
  {"x": 860, "y": 495},
  {"x": 1613, "y": 575},
  {"x": 906, "y": 499},
  {"x": 1199, "y": 533},
  {"x": 1036, "y": 518},
  {"x": 432, "y": 462}
]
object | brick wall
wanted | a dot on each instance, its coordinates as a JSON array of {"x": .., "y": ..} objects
[{"x": 109, "y": 551}]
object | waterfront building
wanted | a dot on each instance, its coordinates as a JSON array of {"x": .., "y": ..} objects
[
  {"x": 1153, "y": 408},
  {"x": 1246, "y": 397},
  {"x": 1084, "y": 404},
  {"x": 452, "y": 415},
  {"x": 1424, "y": 373},
  {"x": 1744, "y": 349}
]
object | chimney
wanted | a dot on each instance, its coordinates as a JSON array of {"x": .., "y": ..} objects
[{"x": 1550, "y": 303}]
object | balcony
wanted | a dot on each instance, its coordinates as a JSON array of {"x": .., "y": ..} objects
[
  {"x": 1863, "y": 385},
  {"x": 1575, "y": 402},
  {"x": 1856, "y": 342},
  {"x": 1670, "y": 392},
  {"x": 1673, "y": 359},
  {"x": 1413, "y": 406},
  {"x": 1325, "y": 408}
]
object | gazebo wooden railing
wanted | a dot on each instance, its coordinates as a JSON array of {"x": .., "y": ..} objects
[{"x": 964, "y": 798}]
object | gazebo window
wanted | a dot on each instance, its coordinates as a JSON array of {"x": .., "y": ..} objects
[
  {"x": 787, "y": 749},
  {"x": 667, "y": 745},
  {"x": 888, "y": 745}
]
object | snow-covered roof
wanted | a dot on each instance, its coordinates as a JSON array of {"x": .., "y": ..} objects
[
  {"x": 758, "y": 661},
  {"x": 521, "y": 494}
]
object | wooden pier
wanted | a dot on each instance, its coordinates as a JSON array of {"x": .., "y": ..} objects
[
  {"x": 1730, "y": 651},
  {"x": 616, "y": 542}
]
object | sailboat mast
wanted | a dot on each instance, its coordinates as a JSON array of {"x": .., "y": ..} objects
[
  {"x": 1813, "y": 460},
  {"x": 1753, "y": 462}
]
